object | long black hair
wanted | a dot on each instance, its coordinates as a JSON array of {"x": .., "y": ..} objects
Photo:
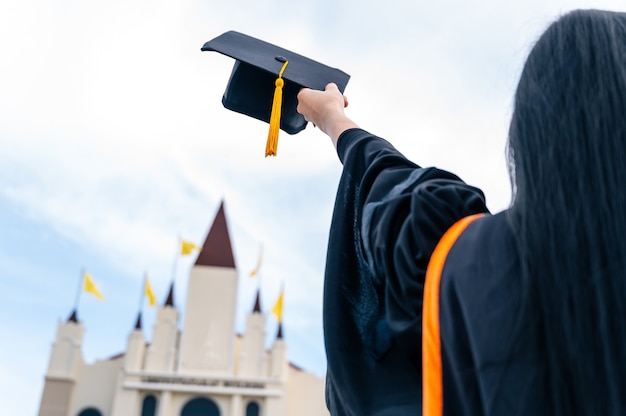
[{"x": 567, "y": 155}]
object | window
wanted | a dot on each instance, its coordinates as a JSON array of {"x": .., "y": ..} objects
[
  {"x": 90, "y": 411},
  {"x": 200, "y": 407},
  {"x": 253, "y": 409},
  {"x": 148, "y": 408}
]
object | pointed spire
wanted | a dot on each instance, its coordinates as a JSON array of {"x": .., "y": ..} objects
[
  {"x": 257, "y": 302},
  {"x": 217, "y": 250},
  {"x": 73, "y": 317},
  {"x": 279, "y": 334},
  {"x": 138, "y": 323},
  {"x": 170, "y": 296}
]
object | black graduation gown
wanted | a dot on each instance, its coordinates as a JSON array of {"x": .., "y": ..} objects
[{"x": 389, "y": 214}]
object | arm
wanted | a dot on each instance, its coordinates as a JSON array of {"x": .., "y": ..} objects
[
  {"x": 400, "y": 209},
  {"x": 389, "y": 213},
  {"x": 325, "y": 109}
]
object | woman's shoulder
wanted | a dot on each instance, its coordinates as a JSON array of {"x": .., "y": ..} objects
[
  {"x": 489, "y": 233},
  {"x": 483, "y": 259}
]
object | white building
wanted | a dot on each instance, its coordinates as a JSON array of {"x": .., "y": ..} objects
[{"x": 202, "y": 369}]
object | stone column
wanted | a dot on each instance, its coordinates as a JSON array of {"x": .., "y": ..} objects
[
  {"x": 164, "y": 404},
  {"x": 235, "y": 406}
]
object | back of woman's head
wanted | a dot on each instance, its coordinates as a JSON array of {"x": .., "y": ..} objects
[
  {"x": 567, "y": 151},
  {"x": 569, "y": 120}
]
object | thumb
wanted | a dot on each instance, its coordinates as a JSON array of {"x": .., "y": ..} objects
[{"x": 331, "y": 87}]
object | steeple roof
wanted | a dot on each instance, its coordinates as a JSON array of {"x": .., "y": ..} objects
[
  {"x": 257, "y": 302},
  {"x": 138, "y": 323},
  {"x": 73, "y": 317},
  {"x": 170, "y": 296},
  {"x": 217, "y": 250},
  {"x": 279, "y": 333}
]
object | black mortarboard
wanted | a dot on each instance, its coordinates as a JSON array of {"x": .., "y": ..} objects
[{"x": 254, "y": 88}]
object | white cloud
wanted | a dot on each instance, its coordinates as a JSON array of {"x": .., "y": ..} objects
[{"x": 113, "y": 135}]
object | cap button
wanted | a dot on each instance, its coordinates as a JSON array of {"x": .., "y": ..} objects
[{"x": 280, "y": 58}]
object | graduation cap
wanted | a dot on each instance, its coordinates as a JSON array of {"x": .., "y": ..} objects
[{"x": 266, "y": 79}]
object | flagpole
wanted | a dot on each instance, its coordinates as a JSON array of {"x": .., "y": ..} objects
[
  {"x": 260, "y": 275},
  {"x": 260, "y": 261},
  {"x": 257, "y": 270},
  {"x": 80, "y": 287},
  {"x": 176, "y": 259},
  {"x": 141, "y": 294}
]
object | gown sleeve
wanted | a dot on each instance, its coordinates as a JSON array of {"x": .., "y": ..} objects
[{"x": 389, "y": 215}]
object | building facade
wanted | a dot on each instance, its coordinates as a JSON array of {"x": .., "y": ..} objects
[{"x": 201, "y": 369}]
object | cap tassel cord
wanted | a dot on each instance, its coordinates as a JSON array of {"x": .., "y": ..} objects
[{"x": 272, "y": 137}]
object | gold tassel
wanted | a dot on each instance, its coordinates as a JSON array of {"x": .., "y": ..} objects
[{"x": 272, "y": 137}]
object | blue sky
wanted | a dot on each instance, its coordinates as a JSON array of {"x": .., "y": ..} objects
[{"x": 114, "y": 142}]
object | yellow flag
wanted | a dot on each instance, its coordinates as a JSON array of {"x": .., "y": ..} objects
[
  {"x": 258, "y": 264},
  {"x": 187, "y": 247},
  {"x": 150, "y": 293},
  {"x": 278, "y": 307},
  {"x": 90, "y": 287}
]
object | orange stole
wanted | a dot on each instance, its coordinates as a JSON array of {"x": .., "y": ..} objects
[{"x": 432, "y": 378}]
